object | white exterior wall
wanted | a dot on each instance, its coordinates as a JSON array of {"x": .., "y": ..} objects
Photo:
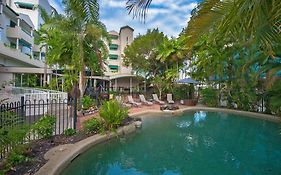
[
  {"x": 122, "y": 42},
  {"x": 12, "y": 60},
  {"x": 126, "y": 38},
  {"x": 4, "y": 22},
  {"x": 33, "y": 14}
]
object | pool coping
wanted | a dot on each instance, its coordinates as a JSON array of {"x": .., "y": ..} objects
[
  {"x": 256, "y": 115},
  {"x": 61, "y": 156}
]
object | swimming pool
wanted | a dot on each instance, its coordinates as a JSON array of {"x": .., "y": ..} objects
[{"x": 194, "y": 143}]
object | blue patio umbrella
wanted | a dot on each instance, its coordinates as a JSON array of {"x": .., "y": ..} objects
[{"x": 188, "y": 81}]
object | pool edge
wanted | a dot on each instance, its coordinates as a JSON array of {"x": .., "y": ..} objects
[
  {"x": 61, "y": 156},
  {"x": 267, "y": 117}
]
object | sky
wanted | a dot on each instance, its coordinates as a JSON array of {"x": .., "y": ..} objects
[{"x": 170, "y": 16}]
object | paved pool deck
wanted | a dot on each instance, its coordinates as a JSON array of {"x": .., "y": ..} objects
[{"x": 132, "y": 111}]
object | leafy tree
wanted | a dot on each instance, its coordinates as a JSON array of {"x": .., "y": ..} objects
[{"x": 142, "y": 54}]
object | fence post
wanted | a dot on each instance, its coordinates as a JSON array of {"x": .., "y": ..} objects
[
  {"x": 75, "y": 113},
  {"x": 22, "y": 112}
]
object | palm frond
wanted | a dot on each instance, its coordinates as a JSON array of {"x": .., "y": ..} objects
[
  {"x": 88, "y": 10},
  {"x": 138, "y": 8}
]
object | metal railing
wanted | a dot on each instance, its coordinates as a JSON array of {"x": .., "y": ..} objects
[{"x": 27, "y": 112}]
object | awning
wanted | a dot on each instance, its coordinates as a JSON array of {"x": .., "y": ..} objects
[
  {"x": 113, "y": 57},
  {"x": 113, "y": 46},
  {"x": 25, "y": 5},
  {"x": 113, "y": 67},
  {"x": 188, "y": 81}
]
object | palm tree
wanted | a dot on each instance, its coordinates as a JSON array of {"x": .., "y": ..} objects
[
  {"x": 76, "y": 40},
  {"x": 243, "y": 19}
]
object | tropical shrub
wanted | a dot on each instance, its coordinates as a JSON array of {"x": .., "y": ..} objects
[
  {"x": 183, "y": 91},
  {"x": 113, "y": 113},
  {"x": 45, "y": 126},
  {"x": 92, "y": 126},
  {"x": 12, "y": 130},
  {"x": 87, "y": 102},
  {"x": 274, "y": 98},
  {"x": 69, "y": 132},
  {"x": 209, "y": 97},
  {"x": 18, "y": 155}
]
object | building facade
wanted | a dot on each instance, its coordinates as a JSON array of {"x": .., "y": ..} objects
[
  {"x": 20, "y": 57},
  {"x": 117, "y": 76}
]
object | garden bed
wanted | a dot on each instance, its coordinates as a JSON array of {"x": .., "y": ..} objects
[{"x": 38, "y": 149}]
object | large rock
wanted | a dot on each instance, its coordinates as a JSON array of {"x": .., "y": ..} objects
[{"x": 169, "y": 107}]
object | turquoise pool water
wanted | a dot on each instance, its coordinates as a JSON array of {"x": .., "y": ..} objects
[{"x": 191, "y": 144}]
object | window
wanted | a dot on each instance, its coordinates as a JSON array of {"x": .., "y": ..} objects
[
  {"x": 113, "y": 47},
  {"x": 24, "y": 5},
  {"x": 13, "y": 24},
  {"x": 113, "y": 68},
  {"x": 13, "y": 45},
  {"x": 113, "y": 57},
  {"x": 127, "y": 40}
]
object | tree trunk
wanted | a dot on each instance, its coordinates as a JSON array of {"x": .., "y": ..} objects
[{"x": 81, "y": 83}]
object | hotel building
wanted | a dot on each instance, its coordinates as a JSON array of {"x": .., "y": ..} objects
[{"x": 19, "y": 55}]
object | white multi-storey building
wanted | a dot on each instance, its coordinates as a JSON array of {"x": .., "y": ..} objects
[
  {"x": 119, "y": 76},
  {"x": 19, "y": 55}
]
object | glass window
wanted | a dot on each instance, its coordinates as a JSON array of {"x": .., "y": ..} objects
[{"x": 13, "y": 24}]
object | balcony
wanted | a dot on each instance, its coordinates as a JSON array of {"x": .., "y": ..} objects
[
  {"x": 17, "y": 32},
  {"x": 16, "y": 57},
  {"x": 39, "y": 48}
]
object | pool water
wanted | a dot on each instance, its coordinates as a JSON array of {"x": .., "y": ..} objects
[{"x": 192, "y": 144}]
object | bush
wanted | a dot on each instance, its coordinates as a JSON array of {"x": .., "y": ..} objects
[
  {"x": 209, "y": 97},
  {"x": 45, "y": 126},
  {"x": 18, "y": 155},
  {"x": 14, "y": 134},
  {"x": 92, "y": 126},
  {"x": 87, "y": 102},
  {"x": 69, "y": 132},
  {"x": 113, "y": 113},
  {"x": 180, "y": 92},
  {"x": 274, "y": 98}
]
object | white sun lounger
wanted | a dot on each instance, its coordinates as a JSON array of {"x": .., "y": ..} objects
[
  {"x": 156, "y": 99},
  {"x": 119, "y": 100},
  {"x": 131, "y": 101},
  {"x": 143, "y": 100},
  {"x": 170, "y": 99}
]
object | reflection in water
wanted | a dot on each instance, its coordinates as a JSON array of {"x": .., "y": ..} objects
[
  {"x": 199, "y": 116},
  {"x": 183, "y": 124}
]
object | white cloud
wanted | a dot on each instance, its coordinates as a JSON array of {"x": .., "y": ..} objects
[{"x": 170, "y": 16}]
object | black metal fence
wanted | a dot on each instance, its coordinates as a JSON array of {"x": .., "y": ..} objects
[{"x": 27, "y": 112}]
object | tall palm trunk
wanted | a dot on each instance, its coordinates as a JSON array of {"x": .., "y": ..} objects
[{"x": 82, "y": 71}]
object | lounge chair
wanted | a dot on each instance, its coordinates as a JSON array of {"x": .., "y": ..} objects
[
  {"x": 156, "y": 99},
  {"x": 131, "y": 101},
  {"x": 143, "y": 100},
  {"x": 119, "y": 100},
  {"x": 170, "y": 99}
]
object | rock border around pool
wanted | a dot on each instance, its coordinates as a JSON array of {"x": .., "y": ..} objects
[
  {"x": 267, "y": 117},
  {"x": 61, "y": 156}
]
